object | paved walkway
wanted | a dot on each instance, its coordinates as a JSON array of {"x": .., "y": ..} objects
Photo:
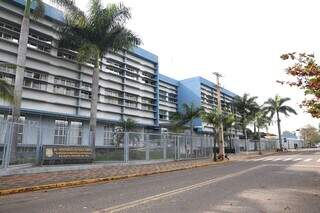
[{"x": 101, "y": 171}]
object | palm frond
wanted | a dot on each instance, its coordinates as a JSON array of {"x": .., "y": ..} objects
[
  {"x": 39, "y": 9},
  {"x": 6, "y": 91},
  {"x": 87, "y": 51}
]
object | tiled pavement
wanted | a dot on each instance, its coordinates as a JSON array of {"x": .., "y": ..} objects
[{"x": 28, "y": 180}]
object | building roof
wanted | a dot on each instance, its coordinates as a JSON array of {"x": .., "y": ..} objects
[{"x": 168, "y": 80}]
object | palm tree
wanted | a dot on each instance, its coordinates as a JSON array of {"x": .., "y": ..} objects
[
  {"x": 217, "y": 119},
  {"x": 6, "y": 92},
  {"x": 37, "y": 12},
  {"x": 245, "y": 107},
  {"x": 125, "y": 125},
  {"x": 275, "y": 106},
  {"x": 187, "y": 116},
  {"x": 262, "y": 121},
  {"x": 92, "y": 35}
]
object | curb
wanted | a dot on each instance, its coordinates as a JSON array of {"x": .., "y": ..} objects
[{"x": 76, "y": 183}]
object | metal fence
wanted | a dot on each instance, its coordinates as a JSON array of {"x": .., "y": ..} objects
[
  {"x": 253, "y": 145},
  {"x": 110, "y": 146}
]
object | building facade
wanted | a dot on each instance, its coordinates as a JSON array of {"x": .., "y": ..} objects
[{"x": 57, "y": 90}]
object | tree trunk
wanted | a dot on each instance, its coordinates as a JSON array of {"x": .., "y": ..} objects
[
  {"x": 18, "y": 84},
  {"x": 259, "y": 138},
  {"x": 94, "y": 103},
  {"x": 191, "y": 134},
  {"x": 214, "y": 147},
  {"x": 221, "y": 143},
  {"x": 245, "y": 139},
  {"x": 279, "y": 131}
]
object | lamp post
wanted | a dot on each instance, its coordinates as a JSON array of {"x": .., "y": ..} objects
[{"x": 221, "y": 142}]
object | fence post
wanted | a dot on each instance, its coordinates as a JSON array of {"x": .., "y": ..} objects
[
  {"x": 178, "y": 140},
  {"x": 165, "y": 147},
  {"x": 147, "y": 145},
  {"x": 38, "y": 148},
  {"x": 7, "y": 156},
  {"x": 126, "y": 147}
]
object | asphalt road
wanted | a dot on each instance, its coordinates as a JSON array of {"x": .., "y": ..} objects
[{"x": 283, "y": 183}]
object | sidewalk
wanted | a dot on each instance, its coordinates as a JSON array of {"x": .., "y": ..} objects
[{"x": 68, "y": 177}]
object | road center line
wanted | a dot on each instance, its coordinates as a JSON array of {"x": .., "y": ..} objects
[
  {"x": 307, "y": 160},
  {"x": 132, "y": 204}
]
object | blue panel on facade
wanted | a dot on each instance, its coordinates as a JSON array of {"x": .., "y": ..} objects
[
  {"x": 49, "y": 11},
  {"x": 188, "y": 93},
  {"x": 213, "y": 85},
  {"x": 168, "y": 80},
  {"x": 145, "y": 54}
]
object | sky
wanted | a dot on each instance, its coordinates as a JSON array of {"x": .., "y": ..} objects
[{"x": 241, "y": 39}]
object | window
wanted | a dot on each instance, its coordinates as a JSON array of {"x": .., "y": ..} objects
[
  {"x": 4, "y": 67},
  {"x": 75, "y": 133},
  {"x": 131, "y": 97},
  {"x": 65, "y": 82},
  {"x": 60, "y": 133},
  {"x": 148, "y": 81},
  {"x": 163, "y": 115},
  {"x": 149, "y": 75},
  {"x": 163, "y": 98},
  {"x": 36, "y": 75},
  {"x": 20, "y": 127},
  {"x": 147, "y": 100},
  {"x": 65, "y": 91},
  {"x": 6, "y": 77},
  {"x": 85, "y": 94},
  {"x": 113, "y": 93},
  {"x": 34, "y": 84},
  {"x": 132, "y": 76},
  {"x": 9, "y": 31},
  {"x": 147, "y": 107},
  {"x": 114, "y": 63},
  {"x": 67, "y": 54},
  {"x": 130, "y": 104},
  {"x": 172, "y": 97},
  {"x": 39, "y": 42},
  {"x": 65, "y": 86},
  {"x": 132, "y": 69},
  {"x": 114, "y": 70},
  {"x": 108, "y": 136},
  {"x": 86, "y": 86},
  {"x": 110, "y": 100}
]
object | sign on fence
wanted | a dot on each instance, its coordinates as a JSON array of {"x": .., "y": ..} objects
[{"x": 52, "y": 154}]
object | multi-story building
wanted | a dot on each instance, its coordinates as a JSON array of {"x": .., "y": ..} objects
[
  {"x": 203, "y": 93},
  {"x": 57, "y": 90},
  {"x": 168, "y": 98}
]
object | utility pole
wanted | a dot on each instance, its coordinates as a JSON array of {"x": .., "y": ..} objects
[{"x": 221, "y": 145}]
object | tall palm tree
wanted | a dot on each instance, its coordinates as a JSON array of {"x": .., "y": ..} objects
[
  {"x": 275, "y": 106},
  {"x": 92, "y": 35},
  {"x": 6, "y": 92},
  {"x": 187, "y": 115},
  {"x": 217, "y": 118},
  {"x": 37, "y": 12},
  {"x": 262, "y": 121},
  {"x": 245, "y": 107}
]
